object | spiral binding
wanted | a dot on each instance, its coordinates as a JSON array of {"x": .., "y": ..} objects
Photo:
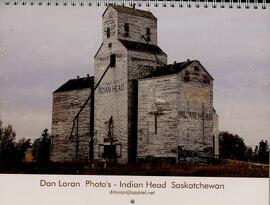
[{"x": 148, "y": 3}]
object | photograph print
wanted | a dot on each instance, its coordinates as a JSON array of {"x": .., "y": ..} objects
[{"x": 134, "y": 90}]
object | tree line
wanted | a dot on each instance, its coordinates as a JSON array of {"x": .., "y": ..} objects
[
  {"x": 12, "y": 151},
  {"x": 233, "y": 147}
]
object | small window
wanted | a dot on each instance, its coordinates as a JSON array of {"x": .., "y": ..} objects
[
  {"x": 126, "y": 34},
  {"x": 109, "y": 152},
  {"x": 109, "y": 45},
  {"x": 196, "y": 70},
  {"x": 112, "y": 60},
  {"x": 206, "y": 80},
  {"x": 148, "y": 34},
  {"x": 108, "y": 32}
]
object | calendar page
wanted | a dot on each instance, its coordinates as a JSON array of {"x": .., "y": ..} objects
[{"x": 134, "y": 102}]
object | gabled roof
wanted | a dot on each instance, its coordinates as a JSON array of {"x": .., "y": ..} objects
[
  {"x": 173, "y": 69},
  {"x": 76, "y": 84},
  {"x": 131, "y": 11},
  {"x": 136, "y": 46},
  {"x": 169, "y": 69}
]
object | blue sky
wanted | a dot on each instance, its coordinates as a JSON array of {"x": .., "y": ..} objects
[{"x": 43, "y": 47}]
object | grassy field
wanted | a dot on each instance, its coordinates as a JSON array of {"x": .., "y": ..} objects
[{"x": 226, "y": 168}]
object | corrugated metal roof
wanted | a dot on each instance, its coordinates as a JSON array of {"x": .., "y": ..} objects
[
  {"x": 132, "y": 11},
  {"x": 169, "y": 69},
  {"x": 131, "y": 45},
  {"x": 173, "y": 69},
  {"x": 76, "y": 84}
]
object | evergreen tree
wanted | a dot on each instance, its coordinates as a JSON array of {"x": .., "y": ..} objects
[
  {"x": 263, "y": 152},
  {"x": 21, "y": 147},
  {"x": 255, "y": 154},
  {"x": 10, "y": 150},
  {"x": 7, "y": 143},
  {"x": 42, "y": 147},
  {"x": 248, "y": 154},
  {"x": 232, "y": 146}
]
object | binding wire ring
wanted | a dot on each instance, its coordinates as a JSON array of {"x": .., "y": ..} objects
[
  {"x": 214, "y": 4},
  {"x": 197, "y": 4},
  {"x": 255, "y": 4},
  {"x": 205, "y": 4},
  {"x": 164, "y": 3},
  {"x": 264, "y": 4},
  {"x": 222, "y": 4},
  {"x": 156, "y": 3}
]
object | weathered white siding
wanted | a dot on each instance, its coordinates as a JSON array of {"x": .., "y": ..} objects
[
  {"x": 157, "y": 98},
  {"x": 66, "y": 105},
  {"x": 170, "y": 116},
  {"x": 137, "y": 28},
  {"x": 131, "y": 65},
  {"x": 184, "y": 118},
  {"x": 111, "y": 98}
]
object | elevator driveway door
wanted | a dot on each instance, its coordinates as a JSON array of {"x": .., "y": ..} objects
[{"x": 110, "y": 151}]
